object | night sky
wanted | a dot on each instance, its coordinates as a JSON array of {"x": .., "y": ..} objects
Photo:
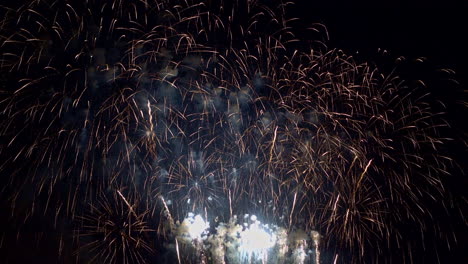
[
  {"x": 385, "y": 30},
  {"x": 429, "y": 36},
  {"x": 434, "y": 30}
]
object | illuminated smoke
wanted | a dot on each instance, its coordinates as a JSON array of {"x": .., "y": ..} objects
[{"x": 246, "y": 241}]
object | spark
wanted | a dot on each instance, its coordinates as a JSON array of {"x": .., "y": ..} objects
[{"x": 256, "y": 241}]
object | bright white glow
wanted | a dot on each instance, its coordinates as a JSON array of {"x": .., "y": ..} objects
[
  {"x": 197, "y": 226},
  {"x": 299, "y": 255},
  {"x": 256, "y": 241},
  {"x": 247, "y": 241}
]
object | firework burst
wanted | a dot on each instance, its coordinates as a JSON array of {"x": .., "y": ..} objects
[
  {"x": 132, "y": 114},
  {"x": 114, "y": 231}
]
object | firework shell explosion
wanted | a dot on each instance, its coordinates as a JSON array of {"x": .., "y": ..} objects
[{"x": 201, "y": 132}]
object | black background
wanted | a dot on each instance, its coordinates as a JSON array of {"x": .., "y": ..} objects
[
  {"x": 382, "y": 31},
  {"x": 437, "y": 31}
]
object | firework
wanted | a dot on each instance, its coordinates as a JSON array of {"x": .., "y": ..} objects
[
  {"x": 114, "y": 231},
  {"x": 245, "y": 240},
  {"x": 132, "y": 114}
]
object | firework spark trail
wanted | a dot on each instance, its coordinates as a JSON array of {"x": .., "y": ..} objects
[
  {"x": 207, "y": 105},
  {"x": 113, "y": 232}
]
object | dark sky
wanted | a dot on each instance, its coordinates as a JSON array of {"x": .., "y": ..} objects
[
  {"x": 435, "y": 30},
  {"x": 417, "y": 28},
  {"x": 438, "y": 31}
]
